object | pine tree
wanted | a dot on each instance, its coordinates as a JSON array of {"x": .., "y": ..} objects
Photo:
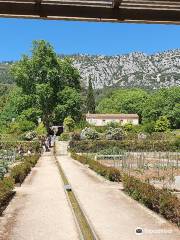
[{"x": 91, "y": 105}]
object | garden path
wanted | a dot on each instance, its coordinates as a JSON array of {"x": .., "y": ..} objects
[
  {"x": 111, "y": 212},
  {"x": 40, "y": 210}
]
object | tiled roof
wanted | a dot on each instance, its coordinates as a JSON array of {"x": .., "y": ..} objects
[{"x": 112, "y": 116}]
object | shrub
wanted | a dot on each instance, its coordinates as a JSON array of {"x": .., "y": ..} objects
[
  {"x": 131, "y": 145},
  {"x": 110, "y": 173},
  {"x": 111, "y": 151},
  {"x": 20, "y": 171},
  {"x": 76, "y": 136},
  {"x": 41, "y": 130},
  {"x": 114, "y": 133},
  {"x": 69, "y": 124},
  {"x": 11, "y": 145},
  {"x": 64, "y": 137},
  {"x": 6, "y": 191},
  {"x": 162, "y": 124},
  {"x": 89, "y": 133},
  {"x": 160, "y": 200},
  {"x": 29, "y": 135}
]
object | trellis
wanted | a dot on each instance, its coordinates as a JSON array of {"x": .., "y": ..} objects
[{"x": 156, "y": 11}]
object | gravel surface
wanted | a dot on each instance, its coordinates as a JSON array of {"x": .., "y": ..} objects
[
  {"x": 40, "y": 210},
  {"x": 113, "y": 214}
]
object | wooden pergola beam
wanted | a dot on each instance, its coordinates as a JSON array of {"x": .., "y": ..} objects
[{"x": 155, "y": 11}]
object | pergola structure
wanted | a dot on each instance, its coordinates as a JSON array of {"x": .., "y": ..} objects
[{"x": 147, "y": 11}]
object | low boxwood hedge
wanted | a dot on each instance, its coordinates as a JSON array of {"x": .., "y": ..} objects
[
  {"x": 20, "y": 171},
  {"x": 109, "y": 173},
  {"x": 159, "y": 200},
  {"x": 136, "y": 145},
  {"x": 17, "y": 175},
  {"x": 6, "y": 192}
]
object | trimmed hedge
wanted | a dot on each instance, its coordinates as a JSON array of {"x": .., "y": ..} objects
[
  {"x": 20, "y": 171},
  {"x": 6, "y": 192},
  {"x": 109, "y": 173},
  {"x": 159, "y": 200},
  {"x": 26, "y": 145},
  {"x": 138, "y": 145}
]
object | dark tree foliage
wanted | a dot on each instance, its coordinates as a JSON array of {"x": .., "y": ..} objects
[
  {"x": 90, "y": 101},
  {"x": 42, "y": 77}
]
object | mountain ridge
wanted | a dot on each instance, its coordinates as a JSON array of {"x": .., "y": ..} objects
[{"x": 136, "y": 69}]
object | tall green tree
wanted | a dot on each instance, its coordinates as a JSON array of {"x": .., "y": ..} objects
[
  {"x": 90, "y": 101},
  {"x": 43, "y": 76}
]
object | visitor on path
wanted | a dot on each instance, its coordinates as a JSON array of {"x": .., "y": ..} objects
[{"x": 20, "y": 151}]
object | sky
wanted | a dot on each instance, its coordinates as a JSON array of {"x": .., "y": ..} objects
[{"x": 68, "y": 37}]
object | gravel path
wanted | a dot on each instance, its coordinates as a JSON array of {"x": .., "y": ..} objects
[
  {"x": 112, "y": 213},
  {"x": 40, "y": 210}
]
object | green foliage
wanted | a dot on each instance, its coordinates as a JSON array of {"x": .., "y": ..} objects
[
  {"x": 90, "y": 101},
  {"x": 163, "y": 102},
  {"x": 110, "y": 173},
  {"x": 69, "y": 124},
  {"x": 26, "y": 145},
  {"x": 159, "y": 200},
  {"x": 81, "y": 125},
  {"x": 162, "y": 124},
  {"x": 21, "y": 126},
  {"x": 128, "y": 127},
  {"x": 31, "y": 114},
  {"x": 113, "y": 124},
  {"x": 148, "y": 126},
  {"x": 89, "y": 133},
  {"x": 129, "y": 145},
  {"x": 45, "y": 97},
  {"x": 123, "y": 101},
  {"x": 64, "y": 137},
  {"x": 20, "y": 171},
  {"x": 148, "y": 105},
  {"x": 41, "y": 130},
  {"x": 43, "y": 79},
  {"x": 69, "y": 104},
  {"x": 111, "y": 151},
  {"x": 114, "y": 133},
  {"x": 6, "y": 192}
]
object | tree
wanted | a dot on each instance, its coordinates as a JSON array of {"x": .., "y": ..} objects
[
  {"x": 162, "y": 124},
  {"x": 69, "y": 104},
  {"x": 42, "y": 77},
  {"x": 123, "y": 101},
  {"x": 69, "y": 124},
  {"x": 90, "y": 101}
]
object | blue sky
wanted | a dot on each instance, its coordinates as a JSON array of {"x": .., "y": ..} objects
[{"x": 69, "y": 37}]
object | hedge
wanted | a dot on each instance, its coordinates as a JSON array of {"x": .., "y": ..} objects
[
  {"x": 109, "y": 173},
  {"x": 6, "y": 192},
  {"x": 26, "y": 145},
  {"x": 139, "y": 145},
  {"x": 17, "y": 175},
  {"x": 159, "y": 200},
  {"x": 20, "y": 171}
]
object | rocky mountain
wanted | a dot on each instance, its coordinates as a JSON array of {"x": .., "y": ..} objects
[{"x": 131, "y": 70}]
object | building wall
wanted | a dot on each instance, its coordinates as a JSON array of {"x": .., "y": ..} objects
[{"x": 103, "y": 122}]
